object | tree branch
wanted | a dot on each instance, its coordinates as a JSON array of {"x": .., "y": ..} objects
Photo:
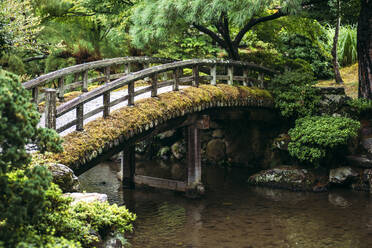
[
  {"x": 254, "y": 22},
  {"x": 212, "y": 34}
]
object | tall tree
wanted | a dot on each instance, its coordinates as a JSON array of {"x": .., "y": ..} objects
[
  {"x": 156, "y": 20},
  {"x": 365, "y": 49},
  {"x": 335, "y": 63}
]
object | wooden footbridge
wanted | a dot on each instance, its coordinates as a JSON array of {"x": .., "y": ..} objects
[{"x": 199, "y": 84}]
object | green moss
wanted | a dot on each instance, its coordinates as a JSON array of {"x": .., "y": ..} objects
[{"x": 99, "y": 132}]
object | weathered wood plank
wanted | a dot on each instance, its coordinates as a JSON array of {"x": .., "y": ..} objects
[
  {"x": 85, "y": 81},
  {"x": 50, "y": 108},
  {"x": 160, "y": 183},
  {"x": 80, "y": 117},
  {"x": 195, "y": 74},
  {"x": 106, "y": 104},
  {"x": 213, "y": 74},
  {"x": 154, "y": 85}
]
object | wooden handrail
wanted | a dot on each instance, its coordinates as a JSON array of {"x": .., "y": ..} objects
[
  {"x": 175, "y": 68},
  {"x": 44, "y": 79}
]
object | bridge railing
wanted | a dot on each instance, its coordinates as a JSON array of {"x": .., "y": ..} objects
[
  {"x": 83, "y": 77},
  {"x": 240, "y": 72}
]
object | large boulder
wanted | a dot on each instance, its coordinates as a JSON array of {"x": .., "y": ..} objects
[
  {"x": 179, "y": 150},
  {"x": 342, "y": 175},
  {"x": 216, "y": 150},
  {"x": 64, "y": 177},
  {"x": 86, "y": 197},
  {"x": 367, "y": 145},
  {"x": 287, "y": 177}
]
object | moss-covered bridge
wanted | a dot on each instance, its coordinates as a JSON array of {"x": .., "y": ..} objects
[{"x": 193, "y": 90}]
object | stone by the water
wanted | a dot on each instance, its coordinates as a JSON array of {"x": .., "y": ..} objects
[
  {"x": 64, "y": 177},
  {"x": 86, "y": 197},
  {"x": 342, "y": 175}
]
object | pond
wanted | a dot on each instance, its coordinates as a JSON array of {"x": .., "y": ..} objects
[{"x": 234, "y": 214}]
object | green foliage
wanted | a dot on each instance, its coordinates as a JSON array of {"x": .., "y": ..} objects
[
  {"x": 295, "y": 46},
  {"x": 315, "y": 137},
  {"x": 347, "y": 44},
  {"x": 360, "y": 106},
  {"x": 294, "y": 94},
  {"x": 33, "y": 212}
]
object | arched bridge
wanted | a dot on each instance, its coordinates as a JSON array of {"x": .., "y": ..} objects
[{"x": 191, "y": 89}]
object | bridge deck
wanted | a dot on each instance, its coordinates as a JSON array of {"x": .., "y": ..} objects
[{"x": 98, "y": 102}]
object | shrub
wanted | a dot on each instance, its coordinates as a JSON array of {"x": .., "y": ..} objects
[
  {"x": 315, "y": 137},
  {"x": 294, "y": 94},
  {"x": 361, "y": 106}
]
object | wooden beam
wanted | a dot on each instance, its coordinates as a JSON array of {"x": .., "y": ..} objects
[{"x": 160, "y": 183}]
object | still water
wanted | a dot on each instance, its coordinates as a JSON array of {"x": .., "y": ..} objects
[{"x": 233, "y": 214}]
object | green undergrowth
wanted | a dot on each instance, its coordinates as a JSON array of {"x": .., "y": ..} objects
[{"x": 99, "y": 132}]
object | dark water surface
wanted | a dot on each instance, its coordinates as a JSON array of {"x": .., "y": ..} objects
[{"x": 233, "y": 214}]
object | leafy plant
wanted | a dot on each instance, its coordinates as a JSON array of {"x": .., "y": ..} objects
[
  {"x": 361, "y": 106},
  {"x": 294, "y": 94},
  {"x": 315, "y": 137}
]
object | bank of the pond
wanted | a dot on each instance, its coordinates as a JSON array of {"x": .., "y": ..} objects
[{"x": 234, "y": 214}]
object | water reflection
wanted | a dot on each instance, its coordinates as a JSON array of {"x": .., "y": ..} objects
[{"x": 233, "y": 214}]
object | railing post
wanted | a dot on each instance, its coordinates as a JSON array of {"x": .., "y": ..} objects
[
  {"x": 176, "y": 83},
  {"x": 35, "y": 95},
  {"x": 195, "y": 73},
  {"x": 80, "y": 117},
  {"x": 107, "y": 74},
  {"x": 61, "y": 89},
  {"x": 50, "y": 108},
  {"x": 230, "y": 73},
  {"x": 261, "y": 79},
  {"x": 245, "y": 77},
  {"x": 127, "y": 68},
  {"x": 106, "y": 104},
  {"x": 214, "y": 75},
  {"x": 154, "y": 85},
  {"x": 85, "y": 81},
  {"x": 131, "y": 94}
]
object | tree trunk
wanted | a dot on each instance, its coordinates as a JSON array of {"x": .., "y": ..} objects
[
  {"x": 365, "y": 49},
  {"x": 336, "y": 68}
]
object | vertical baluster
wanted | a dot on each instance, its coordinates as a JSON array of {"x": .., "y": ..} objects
[
  {"x": 213, "y": 74},
  {"x": 145, "y": 66},
  {"x": 61, "y": 89},
  {"x": 245, "y": 77},
  {"x": 261, "y": 79},
  {"x": 176, "y": 78},
  {"x": 85, "y": 81},
  {"x": 80, "y": 117},
  {"x": 195, "y": 73},
  {"x": 127, "y": 68},
  {"x": 35, "y": 95},
  {"x": 106, "y": 104},
  {"x": 107, "y": 74},
  {"x": 154, "y": 85},
  {"x": 131, "y": 94},
  {"x": 230, "y": 74},
  {"x": 50, "y": 108}
]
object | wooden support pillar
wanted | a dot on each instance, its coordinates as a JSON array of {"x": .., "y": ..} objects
[
  {"x": 214, "y": 75},
  {"x": 61, "y": 89},
  {"x": 50, "y": 108},
  {"x": 154, "y": 85},
  {"x": 127, "y": 68},
  {"x": 80, "y": 117},
  {"x": 230, "y": 73},
  {"x": 128, "y": 164},
  {"x": 195, "y": 73},
  {"x": 195, "y": 187}
]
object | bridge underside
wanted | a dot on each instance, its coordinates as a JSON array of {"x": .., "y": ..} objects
[{"x": 190, "y": 108}]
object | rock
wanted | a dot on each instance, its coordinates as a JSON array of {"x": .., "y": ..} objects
[
  {"x": 179, "y": 150},
  {"x": 64, "y": 177},
  {"x": 361, "y": 161},
  {"x": 177, "y": 171},
  {"x": 342, "y": 175},
  {"x": 216, "y": 150},
  {"x": 282, "y": 141},
  {"x": 285, "y": 177},
  {"x": 164, "y": 152},
  {"x": 338, "y": 201},
  {"x": 218, "y": 133},
  {"x": 213, "y": 124},
  {"x": 364, "y": 181},
  {"x": 114, "y": 240},
  {"x": 86, "y": 197},
  {"x": 166, "y": 134},
  {"x": 367, "y": 145}
]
